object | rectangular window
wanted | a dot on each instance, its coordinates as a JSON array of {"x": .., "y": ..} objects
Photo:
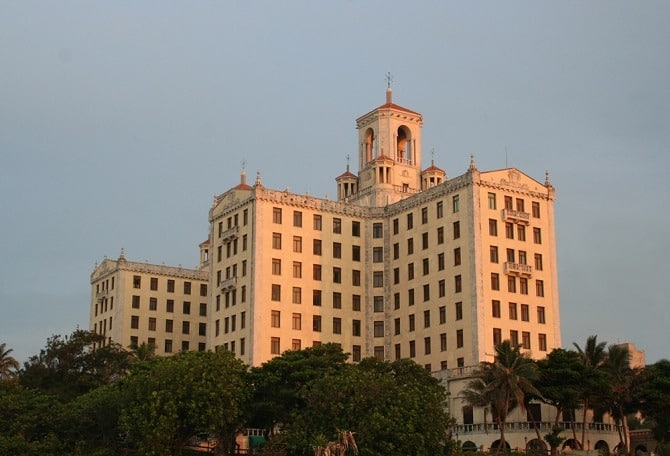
[
  {"x": 493, "y": 254},
  {"x": 514, "y": 338},
  {"x": 497, "y": 336},
  {"x": 356, "y": 328},
  {"x": 458, "y": 284},
  {"x": 316, "y": 297},
  {"x": 316, "y": 272},
  {"x": 410, "y": 246},
  {"x": 276, "y": 241},
  {"x": 492, "y": 200},
  {"x": 426, "y": 292},
  {"x": 396, "y": 251},
  {"x": 153, "y": 304},
  {"x": 378, "y": 328},
  {"x": 317, "y": 222},
  {"x": 379, "y": 352},
  {"x": 510, "y": 256},
  {"x": 297, "y": 270},
  {"x": 493, "y": 227},
  {"x": 378, "y": 279},
  {"x": 316, "y": 247},
  {"x": 426, "y": 318},
  {"x": 523, "y": 257},
  {"x": 377, "y": 230},
  {"x": 396, "y": 326},
  {"x": 276, "y": 292},
  {"x": 410, "y": 271},
  {"x": 378, "y": 254},
  {"x": 440, "y": 235},
  {"x": 439, "y": 209},
  {"x": 520, "y": 204},
  {"x": 169, "y": 325},
  {"x": 512, "y": 311},
  {"x": 202, "y": 329},
  {"x": 426, "y": 345},
  {"x": 337, "y": 250},
  {"x": 356, "y": 229},
  {"x": 356, "y": 277},
  {"x": 337, "y": 300},
  {"x": 459, "y": 310},
  {"x": 137, "y": 281},
  {"x": 511, "y": 284},
  {"x": 276, "y": 215},
  {"x": 440, "y": 261},
  {"x": 455, "y": 203},
  {"x": 337, "y": 225},
  {"x": 337, "y": 325},
  {"x": 412, "y": 322},
  {"x": 378, "y": 303},
  {"x": 187, "y": 288},
  {"x": 424, "y": 215},
  {"x": 275, "y": 320},
  {"x": 297, "y": 219},
  {"x": 424, "y": 241},
  {"x": 538, "y": 262},
  {"x": 426, "y": 266},
  {"x": 521, "y": 232},
  {"x": 537, "y": 236},
  {"x": 296, "y": 295},
  {"x": 136, "y": 302},
  {"x": 457, "y": 256},
  {"x": 316, "y": 323},
  {"x": 276, "y": 266},
  {"x": 185, "y": 327},
  {"x": 170, "y": 286},
  {"x": 412, "y": 349},
  {"x": 540, "y": 315},
  {"x": 356, "y": 303},
  {"x": 274, "y": 345},
  {"x": 539, "y": 288},
  {"x": 443, "y": 342},
  {"x": 410, "y": 221},
  {"x": 459, "y": 338},
  {"x": 296, "y": 321},
  {"x": 525, "y": 340},
  {"x": 396, "y": 301},
  {"x": 297, "y": 244},
  {"x": 337, "y": 275},
  {"x": 542, "y": 341},
  {"x": 152, "y": 324},
  {"x": 495, "y": 308},
  {"x": 410, "y": 296},
  {"x": 523, "y": 285},
  {"x": 457, "y": 230},
  {"x": 525, "y": 313},
  {"x": 495, "y": 281},
  {"x": 296, "y": 344},
  {"x": 168, "y": 345},
  {"x": 396, "y": 226},
  {"x": 203, "y": 289},
  {"x": 356, "y": 353},
  {"x": 535, "y": 208},
  {"x": 154, "y": 284},
  {"x": 509, "y": 202},
  {"x": 443, "y": 314},
  {"x": 509, "y": 230},
  {"x": 186, "y": 308},
  {"x": 396, "y": 276}
]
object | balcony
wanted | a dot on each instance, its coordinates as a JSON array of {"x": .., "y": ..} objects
[
  {"x": 528, "y": 426},
  {"x": 523, "y": 270},
  {"x": 228, "y": 284},
  {"x": 229, "y": 234},
  {"x": 101, "y": 294},
  {"x": 510, "y": 215}
]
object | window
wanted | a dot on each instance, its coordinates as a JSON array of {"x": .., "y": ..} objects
[
  {"x": 297, "y": 219},
  {"x": 540, "y": 315},
  {"x": 495, "y": 281},
  {"x": 459, "y": 310},
  {"x": 275, "y": 320},
  {"x": 169, "y": 305},
  {"x": 511, "y": 284},
  {"x": 379, "y": 352},
  {"x": 296, "y": 321},
  {"x": 356, "y": 277},
  {"x": 443, "y": 342},
  {"x": 316, "y": 272},
  {"x": 426, "y": 266},
  {"x": 337, "y": 250},
  {"x": 317, "y": 222},
  {"x": 276, "y": 241},
  {"x": 378, "y": 303},
  {"x": 337, "y": 325},
  {"x": 523, "y": 285},
  {"x": 509, "y": 230},
  {"x": 538, "y": 262},
  {"x": 443, "y": 314},
  {"x": 396, "y": 276},
  {"x": 542, "y": 341},
  {"x": 493, "y": 253},
  {"x": 186, "y": 308},
  {"x": 535, "y": 208},
  {"x": 297, "y": 244},
  {"x": 276, "y": 266},
  {"x": 337, "y": 300},
  {"x": 276, "y": 292},
  {"x": 274, "y": 345},
  {"x": 495, "y": 308},
  {"x": 377, "y": 230},
  {"x": 459, "y": 338},
  {"x": 521, "y": 232},
  {"x": 377, "y": 254},
  {"x": 168, "y": 326},
  {"x": 316, "y": 297},
  {"x": 396, "y": 326},
  {"x": 514, "y": 338},
  {"x": 492, "y": 200},
  {"x": 170, "y": 286},
  {"x": 396, "y": 301},
  {"x": 187, "y": 288},
  {"x": 202, "y": 329},
  {"x": 455, "y": 203},
  {"x": 355, "y": 229},
  {"x": 316, "y": 323},
  {"x": 410, "y": 221},
  {"x": 458, "y": 284},
  {"x": 203, "y": 289},
  {"x": 512, "y": 311},
  {"x": 337, "y": 275},
  {"x": 316, "y": 247},
  {"x": 525, "y": 313},
  {"x": 137, "y": 281},
  {"x": 510, "y": 256},
  {"x": 410, "y": 246},
  {"x": 136, "y": 302},
  {"x": 153, "y": 304},
  {"x": 296, "y": 344},
  {"x": 424, "y": 241},
  {"x": 509, "y": 204},
  {"x": 396, "y": 251},
  {"x": 539, "y": 288},
  {"x": 395, "y": 226},
  {"x": 457, "y": 256},
  {"x": 412, "y": 349},
  {"x": 520, "y": 204},
  {"x": 426, "y": 318},
  {"x": 426, "y": 292},
  {"x": 134, "y": 322},
  {"x": 154, "y": 284},
  {"x": 537, "y": 236},
  {"x": 424, "y": 215},
  {"x": 426, "y": 345},
  {"x": 410, "y": 296},
  {"x": 378, "y": 279},
  {"x": 356, "y": 328},
  {"x": 493, "y": 227},
  {"x": 185, "y": 327},
  {"x": 460, "y": 362},
  {"x": 133, "y": 341},
  {"x": 378, "y": 328},
  {"x": 356, "y": 303},
  {"x": 525, "y": 340},
  {"x": 439, "y": 209},
  {"x": 440, "y": 235},
  {"x": 440, "y": 261},
  {"x": 356, "y": 353},
  {"x": 168, "y": 345},
  {"x": 276, "y": 215},
  {"x": 410, "y": 271},
  {"x": 152, "y": 324},
  {"x": 457, "y": 230},
  {"x": 296, "y": 295},
  {"x": 523, "y": 257},
  {"x": 297, "y": 270},
  {"x": 412, "y": 322},
  {"x": 337, "y": 225},
  {"x": 497, "y": 336}
]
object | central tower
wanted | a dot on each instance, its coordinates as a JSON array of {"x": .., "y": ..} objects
[{"x": 389, "y": 154}]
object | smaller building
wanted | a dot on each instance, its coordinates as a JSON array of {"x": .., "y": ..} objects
[{"x": 134, "y": 303}]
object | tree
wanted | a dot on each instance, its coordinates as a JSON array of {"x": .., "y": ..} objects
[
  {"x": 169, "y": 400},
  {"x": 560, "y": 373},
  {"x": 593, "y": 381},
  {"x": 620, "y": 378},
  {"x": 8, "y": 365},
  {"x": 503, "y": 384},
  {"x": 391, "y": 408},
  {"x": 653, "y": 398},
  {"x": 70, "y": 366}
]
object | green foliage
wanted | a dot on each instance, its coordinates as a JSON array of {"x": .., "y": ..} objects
[
  {"x": 560, "y": 374},
  {"x": 171, "y": 399},
  {"x": 8, "y": 364},
  {"x": 554, "y": 438},
  {"x": 69, "y": 367},
  {"x": 653, "y": 398}
]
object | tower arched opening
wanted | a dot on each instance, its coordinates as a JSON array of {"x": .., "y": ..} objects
[
  {"x": 369, "y": 145},
  {"x": 404, "y": 145}
]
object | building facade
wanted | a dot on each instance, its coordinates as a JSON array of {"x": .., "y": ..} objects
[{"x": 134, "y": 303}]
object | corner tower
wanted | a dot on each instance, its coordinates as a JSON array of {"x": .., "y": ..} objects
[{"x": 389, "y": 155}]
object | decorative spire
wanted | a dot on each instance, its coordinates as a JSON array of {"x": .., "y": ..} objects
[
  {"x": 547, "y": 181},
  {"x": 258, "y": 179},
  {"x": 122, "y": 256},
  {"x": 432, "y": 157},
  {"x": 473, "y": 166},
  {"x": 348, "y": 158},
  {"x": 243, "y": 175},
  {"x": 389, "y": 92}
]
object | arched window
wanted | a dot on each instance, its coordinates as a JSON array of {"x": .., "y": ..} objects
[{"x": 369, "y": 145}]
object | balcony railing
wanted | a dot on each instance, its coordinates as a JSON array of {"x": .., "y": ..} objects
[
  {"x": 518, "y": 269},
  {"x": 101, "y": 294},
  {"x": 516, "y": 216},
  {"x": 526, "y": 426},
  {"x": 229, "y": 234},
  {"x": 228, "y": 284}
]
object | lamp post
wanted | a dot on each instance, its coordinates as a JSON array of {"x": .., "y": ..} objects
[{"x": 525, "y": 443}]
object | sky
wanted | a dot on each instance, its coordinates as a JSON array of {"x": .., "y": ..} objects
[{"x": 119, "y": 122}]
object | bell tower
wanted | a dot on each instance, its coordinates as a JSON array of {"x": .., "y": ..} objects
[{"x": 389, "y": 156}]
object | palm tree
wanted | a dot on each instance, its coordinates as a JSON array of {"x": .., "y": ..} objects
[
  {"x": 8, "y": 364},
  {"x": 593, "y": 357},
  {"x": 503, "y": 384},
  {"x": 621, "y": 379}
]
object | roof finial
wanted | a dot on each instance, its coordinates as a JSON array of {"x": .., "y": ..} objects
[
  {"x": 547, "y": 182},
  {"x": 258, "y": 179},
  {"x": 389, "y": 92},
  {"x": 348, "y": 158},
  {"x": 432, "y": 156},
  {"x": 243, "y": 174},
  {"x": 473, "y": 166}
]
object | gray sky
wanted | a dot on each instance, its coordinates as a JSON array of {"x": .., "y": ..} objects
[{"x": 120, "y": 120}]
